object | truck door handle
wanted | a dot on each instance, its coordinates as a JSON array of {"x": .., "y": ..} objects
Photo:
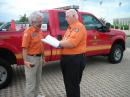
[{"x": 59, "y": 37}]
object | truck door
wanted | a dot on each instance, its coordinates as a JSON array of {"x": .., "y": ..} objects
[
  {"x": 61, "y": 26},
  {"x": 97, "y": 42}
]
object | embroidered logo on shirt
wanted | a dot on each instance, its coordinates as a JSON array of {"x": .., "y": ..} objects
[
  {"x": 76, "y": 29},
  {"x": 34, "y": 34}
]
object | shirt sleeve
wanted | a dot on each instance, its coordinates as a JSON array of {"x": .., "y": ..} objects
[
  {"x": 77, "y": 35},
  {"x": 26, "y": 39}
]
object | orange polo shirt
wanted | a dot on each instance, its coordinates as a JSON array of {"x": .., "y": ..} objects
[
  {"x": 76, "y": 34},
  {"x": 32, "y": 41}
]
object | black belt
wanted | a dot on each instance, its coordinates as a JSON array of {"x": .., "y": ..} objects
[
  {"x": 38, "y": 55},
  {"x": 83, "y": 54}
]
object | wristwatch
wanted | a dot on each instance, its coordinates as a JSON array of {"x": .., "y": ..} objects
[{"x": 59, "y": 46}]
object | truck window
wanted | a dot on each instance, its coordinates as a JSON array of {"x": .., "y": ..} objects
[
  {"x": 19, "y": 26},
  {"x": 90, "y": 22},
  {"x": 5, "y": 26},
  {"x": 62, "y": 21},
  {"x": 45, "y": 16}
]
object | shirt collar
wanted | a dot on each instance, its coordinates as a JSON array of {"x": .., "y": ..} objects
[{"x": 34, "y": 29}]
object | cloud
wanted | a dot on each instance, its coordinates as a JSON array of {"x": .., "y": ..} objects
[
  {"x": 16, "y": 8},
  {"x": 3, "y": 3},
  {"x": 109, "y": 9}
]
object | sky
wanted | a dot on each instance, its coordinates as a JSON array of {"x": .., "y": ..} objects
[{"x": 108, "y": 9}]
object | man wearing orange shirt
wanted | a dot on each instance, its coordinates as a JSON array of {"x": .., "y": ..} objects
[
  {"x": 73, "y": 51},
  {"x": 32, "y": 54}
]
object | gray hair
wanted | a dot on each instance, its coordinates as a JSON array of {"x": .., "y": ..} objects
[
  {"x": 33, "y": 16},
  {"x": 72, "y": 12}
]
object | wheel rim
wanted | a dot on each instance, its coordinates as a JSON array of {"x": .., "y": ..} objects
[
  {"x": 117, "y": 54},
  {"x": 3, "y": 74}
]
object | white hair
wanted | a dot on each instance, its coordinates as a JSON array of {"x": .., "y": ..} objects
[
  {"x": 33, "y": 16},
  {"x": 72, "y": 12}
]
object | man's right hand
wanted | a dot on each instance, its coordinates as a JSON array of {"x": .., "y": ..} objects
[{"x": 28, "y": 64}]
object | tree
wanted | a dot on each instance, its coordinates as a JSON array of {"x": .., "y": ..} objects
[
  {"x": 112, "y": 26},
  {"x": 23, "y": 18},
  {"x": 116, "y": 27}
]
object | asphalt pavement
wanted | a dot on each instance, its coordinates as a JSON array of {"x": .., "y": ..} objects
[{"x": 128, "y": 42}]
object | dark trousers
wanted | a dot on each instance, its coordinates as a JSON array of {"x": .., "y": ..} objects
[{"x": 72, "y": 67}]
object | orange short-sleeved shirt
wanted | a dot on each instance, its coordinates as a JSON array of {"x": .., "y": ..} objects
[
  {"x": 77, "y": 35},
  {"x": 32, "y": 41}
]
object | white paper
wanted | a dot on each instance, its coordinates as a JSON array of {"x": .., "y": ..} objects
[{"x": 51, "y": 41}]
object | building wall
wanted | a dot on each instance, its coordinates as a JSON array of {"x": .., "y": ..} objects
[{"x": 122, "y": 21}]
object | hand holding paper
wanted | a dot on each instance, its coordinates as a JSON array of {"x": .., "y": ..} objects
[{"x": 51, "y": 41}]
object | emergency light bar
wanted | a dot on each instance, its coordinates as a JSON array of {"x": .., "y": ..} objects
[{"x": 68, "y": 7}]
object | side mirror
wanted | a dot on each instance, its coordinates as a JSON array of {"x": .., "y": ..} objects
[
  {"x": 44, "y": 27},
  {"x": 108, "y": 25}
]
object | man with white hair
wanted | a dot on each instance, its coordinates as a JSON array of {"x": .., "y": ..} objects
[
  {"x": 73, "y": 51},
  {"x": 33, "y": 54}
]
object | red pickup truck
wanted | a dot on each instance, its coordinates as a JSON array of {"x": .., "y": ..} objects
[{"x": 101, "y": 40}]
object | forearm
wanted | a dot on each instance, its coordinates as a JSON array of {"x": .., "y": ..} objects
[
  {"x": 24, "y": 53},
  {"x": 66, "y": 44},
  {"x": 28, "y": 64}
]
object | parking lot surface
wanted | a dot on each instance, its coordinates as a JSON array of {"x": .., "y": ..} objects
[{"x": 100, "y": 79}]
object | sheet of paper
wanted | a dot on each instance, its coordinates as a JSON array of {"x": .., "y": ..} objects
[{"x": 51, "y": 41}]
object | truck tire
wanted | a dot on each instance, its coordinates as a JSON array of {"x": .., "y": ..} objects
[
  {"x": 116, "y": 54},
  {"x": 6, "y": 74}
]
